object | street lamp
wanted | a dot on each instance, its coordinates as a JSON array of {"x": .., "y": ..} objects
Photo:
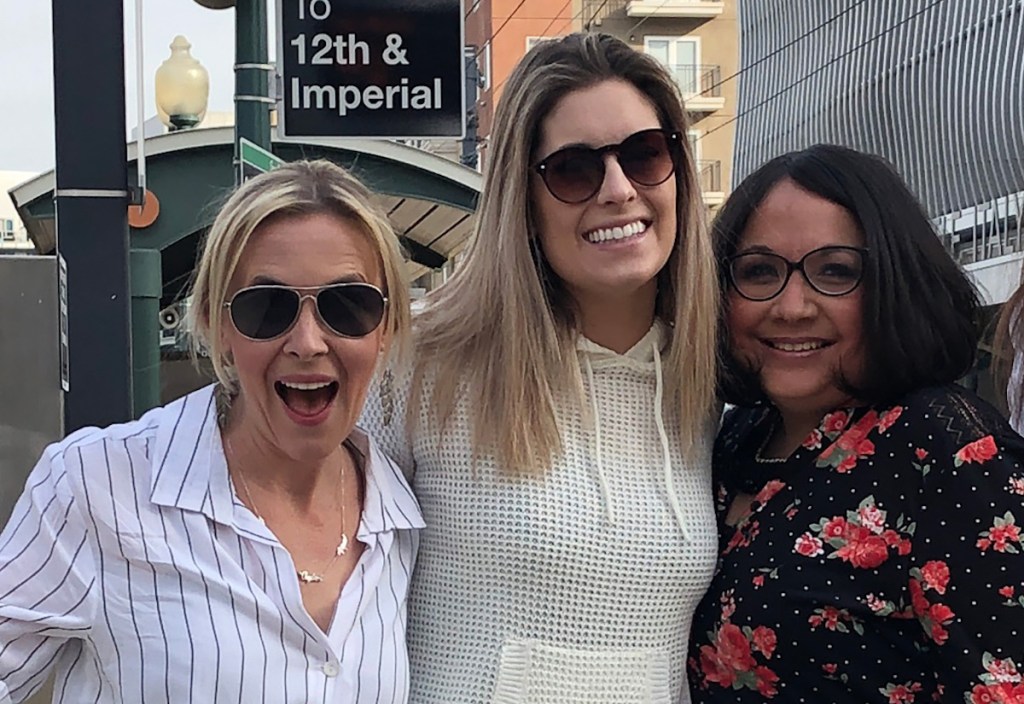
[{"x": 182, "y": 88}]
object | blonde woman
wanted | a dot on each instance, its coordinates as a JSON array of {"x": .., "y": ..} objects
[
  {"x": 246, "y": 543},
  {"x": 558, "y": 416}
]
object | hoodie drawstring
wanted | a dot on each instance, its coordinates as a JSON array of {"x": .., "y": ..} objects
[
  {"x": 659, "y": 421},
  {"x": 606, "y": 493}
]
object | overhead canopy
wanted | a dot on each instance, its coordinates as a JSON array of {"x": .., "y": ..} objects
[{"x": 430, "y": 200}]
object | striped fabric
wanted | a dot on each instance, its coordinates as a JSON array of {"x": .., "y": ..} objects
[{"x": 130, "y": 568}]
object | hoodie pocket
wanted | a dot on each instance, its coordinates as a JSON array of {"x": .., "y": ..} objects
[{"x": 537, "y": 672}]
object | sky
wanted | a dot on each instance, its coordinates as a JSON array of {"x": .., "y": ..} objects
[{"x": 26, "y": 68}]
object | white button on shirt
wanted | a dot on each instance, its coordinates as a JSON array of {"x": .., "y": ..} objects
[{"x": 130, "y": 568}]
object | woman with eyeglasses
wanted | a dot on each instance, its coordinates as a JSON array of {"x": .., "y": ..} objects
[
  {"x": 870, "y": 509},
  {"x": 247, "y": 542},
  {"x": 559, "y": 413}
]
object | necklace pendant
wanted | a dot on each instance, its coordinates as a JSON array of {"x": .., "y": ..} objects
[
  {"x": 342, "y": 546},
  {"x": 307, "y": 577}
]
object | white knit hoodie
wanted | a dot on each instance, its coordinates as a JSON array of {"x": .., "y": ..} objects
[{"x": 577, "y": 586}]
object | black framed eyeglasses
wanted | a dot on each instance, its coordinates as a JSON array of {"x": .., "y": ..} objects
[
  {"x": 575, "y": 174},
  {"x": 268, "y": 311},
  {"x": 831, "y": 271}
]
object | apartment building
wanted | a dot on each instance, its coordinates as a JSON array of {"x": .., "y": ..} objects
[
  {"x": 698, "y": 40},
  {"x": 502, "y": 31}
]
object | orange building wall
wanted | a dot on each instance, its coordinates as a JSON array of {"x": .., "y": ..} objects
[{"x": 533, "y": 18}]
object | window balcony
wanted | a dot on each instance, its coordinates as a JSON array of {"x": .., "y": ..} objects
[
  {"x": 700, "y": 9},
  {"x": 701, "y": 87}
]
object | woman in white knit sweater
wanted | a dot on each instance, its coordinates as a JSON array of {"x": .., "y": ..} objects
[{"x": 558, "y": 414}]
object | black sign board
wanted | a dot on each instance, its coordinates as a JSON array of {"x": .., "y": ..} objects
[{"x": 371, "y": 68}]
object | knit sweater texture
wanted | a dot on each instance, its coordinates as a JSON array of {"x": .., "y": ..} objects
[{"x": 578, "y": 585}]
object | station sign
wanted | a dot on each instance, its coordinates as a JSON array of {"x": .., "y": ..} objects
[{"x": 371, "y": 68}]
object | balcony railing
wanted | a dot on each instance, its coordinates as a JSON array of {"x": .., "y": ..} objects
[
  {"x": 594, "y": 11},
  {"x": 698, "y": 80},
  {"x": 709, "y": 175}
]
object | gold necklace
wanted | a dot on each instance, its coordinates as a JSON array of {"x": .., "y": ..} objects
[{"x": 305, "y": 576}]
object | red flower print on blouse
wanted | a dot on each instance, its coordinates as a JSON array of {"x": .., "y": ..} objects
[
  {"x": 921, "y": 453},
  {"x": 835, "y": 422},
  {"x": 933, "y": 617},
  {"x": 884, "y": 607},
  {"x": 1001, "y": 683},
  {"x": 835, "y": 619},
  {"x": 851, "y": 446},
  {"x": 978, "y": 451},
  {"x": 901, "y": 693},
  {"x": 862, "y": 538},
  {"x": 730, "y": 660},
  {"x": 769, "y": 490},
  {"x": 809, "y": 546},
  {"x": 764, "y": 641},
  {"x": 1006, "y": 591},
  {"x": 1016, "y": 486},
  {"x": 746, "y": 531},
  {"x": 814, "y": 440},
  {"x": 1001, "y": 536},
  {"x": 936, "y": 575},
  {"x": 889, "y": 417}
]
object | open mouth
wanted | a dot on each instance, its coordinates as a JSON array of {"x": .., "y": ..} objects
[
  {"x": 614, "y": 234},
  {"x": 809, "y": 346},
  {"x": 307, "y": 399}
]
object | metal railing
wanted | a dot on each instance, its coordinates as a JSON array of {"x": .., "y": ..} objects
[
  {"x": 700, "y": 80},
  {"x": 597, "y": 10},
  {"x": 709, "y": 175}
]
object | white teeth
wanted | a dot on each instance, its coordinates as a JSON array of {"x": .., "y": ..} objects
[
  {"x": 616, "y": 233},
  {"x": 302, "y": 386},
  {"x": 798, "y": 347}
]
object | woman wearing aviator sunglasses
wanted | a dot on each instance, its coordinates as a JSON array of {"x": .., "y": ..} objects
[
  {"x": 246, "y": 542},
  {"x": 869, "y": 508},
  {"x": 558, "y": 415}
]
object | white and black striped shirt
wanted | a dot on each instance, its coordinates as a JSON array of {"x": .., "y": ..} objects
[{"x": 131, "y": 569}]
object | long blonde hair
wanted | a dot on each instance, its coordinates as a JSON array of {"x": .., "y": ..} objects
[
  {"x": 295, "y": 189},
  {"x": 503, "y": 329}
]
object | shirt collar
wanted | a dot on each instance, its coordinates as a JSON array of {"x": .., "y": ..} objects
[
  {"x": 389, "y": 503},
  {"x": 187, "y": 441},
  {"x": 189, "y": 471}
]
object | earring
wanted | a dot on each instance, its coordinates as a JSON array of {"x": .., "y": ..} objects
[{"x": 386, "y": 392}]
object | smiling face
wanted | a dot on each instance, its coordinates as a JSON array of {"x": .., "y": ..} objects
[
  {"x": 301, "y": 393},
  {"x": 801, "y": 340},
  {"x": 612, "y": 245}
]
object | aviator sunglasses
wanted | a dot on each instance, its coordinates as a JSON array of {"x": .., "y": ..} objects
[
  {"x": 267, "y": 311},
  {"x": 574, "y": 174}
]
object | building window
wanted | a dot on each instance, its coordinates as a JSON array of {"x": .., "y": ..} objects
[
  {"x": 694, "y": 138},
  {"x": 681, "y": 55},
  {"x": 6, "y": 230},
  {"x": 534, "y": 41},
  {"x": 483, "y": 63}
]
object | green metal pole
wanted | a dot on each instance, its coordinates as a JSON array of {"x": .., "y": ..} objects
[
  {"x": 146, "y": 287},
  {"x": 252, "y": 75}
]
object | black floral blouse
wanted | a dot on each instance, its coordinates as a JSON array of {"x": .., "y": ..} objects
[{"x": 881, "y": 562}]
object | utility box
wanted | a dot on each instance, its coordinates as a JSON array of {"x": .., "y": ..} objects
[{"x": 31, "y": 392}]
